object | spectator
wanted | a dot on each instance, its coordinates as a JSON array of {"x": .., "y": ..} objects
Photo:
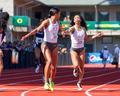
[
  {"x": 65, "y": 19},
  {"x": 105, "y": 54},
  {"x": 68, "y": 18},
  {"x": 116, "y": 55}
]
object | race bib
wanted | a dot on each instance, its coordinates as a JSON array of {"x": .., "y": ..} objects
[{"x": 39, "y": 40}]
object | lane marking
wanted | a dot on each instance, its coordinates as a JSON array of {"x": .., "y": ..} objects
[
  {"x": 27, "y": 72},
  {"x": 41, "y": 75},
  {"x": 87, "y": 92},
  {"x": 104, "y": 74},
  {"x": 28, "y": 81},
  {"x": 28, "y": 76}
]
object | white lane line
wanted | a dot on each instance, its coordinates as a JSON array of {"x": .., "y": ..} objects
[
  {"x": 28, "y": 76},
  {"x": 87, "y": 92},
  {"x": 19, "y": 73},
  {"x": 28, "y": 81},
  {"x": 108, "y": 89},
  {"x": 13, "y": 89},
  {"x": 37, "y": 75},
  {"x": 104, "y": 74},
  {"x": 57, "y": 77},
  {"x": 26, "y": 72},
  {"x": 39, "y": 89},
  {"x": 22, "y": 82}
]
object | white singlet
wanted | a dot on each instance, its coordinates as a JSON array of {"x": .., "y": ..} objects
[
  {"x": 51, "y": 32},
  {"x": 77, "y": 38}
]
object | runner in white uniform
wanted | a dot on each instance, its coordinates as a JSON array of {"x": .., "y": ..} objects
[
  {"x": 4, "y": 16},
  {"x": 49, "y": 49},
  {"x": 78, "y": 35},
  {"x": 49, "y": 45}
]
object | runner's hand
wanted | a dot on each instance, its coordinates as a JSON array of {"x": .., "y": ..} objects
[
  {"x": 99, "y": 34},
  {"x": 23, "y": 38}
]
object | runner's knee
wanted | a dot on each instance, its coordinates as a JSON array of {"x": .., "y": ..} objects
[
  {"x": 1, "y": 66},
  {"x": 49, "y": 62},
  {"x": 1, "y": 53}
]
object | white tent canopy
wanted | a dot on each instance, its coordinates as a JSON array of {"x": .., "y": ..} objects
[{"x": 80, "y": 2}]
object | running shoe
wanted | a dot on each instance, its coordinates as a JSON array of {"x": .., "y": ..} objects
[
  {"x": 46, "y": 86},
  {"x": 79, "y": 85},
  {"x": 51, "y": 85},
  {"x": 37, "y": 69},
  {"x": 75, "y": 72}
]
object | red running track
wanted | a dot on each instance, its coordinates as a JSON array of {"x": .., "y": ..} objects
[{"x": 97, "y": 82}]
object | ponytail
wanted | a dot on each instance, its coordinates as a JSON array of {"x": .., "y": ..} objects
[{"x": 53, "y": 11}]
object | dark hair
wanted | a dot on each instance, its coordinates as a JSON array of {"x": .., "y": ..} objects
[
  {"x": 83, "y": 23},
  {"x": 53, "y": 11},
  {"x": 4, "y": 16}
]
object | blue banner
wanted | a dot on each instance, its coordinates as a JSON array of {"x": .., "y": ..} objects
[{"x": 94, "y": 58}]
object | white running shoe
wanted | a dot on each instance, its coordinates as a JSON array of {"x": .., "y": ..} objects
[
  {"x": 46, "y": 86},
  {"x": 79, "y": 86},
  {"x": 37, "y": 68},
  {"x": 75, "y": 72}
]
